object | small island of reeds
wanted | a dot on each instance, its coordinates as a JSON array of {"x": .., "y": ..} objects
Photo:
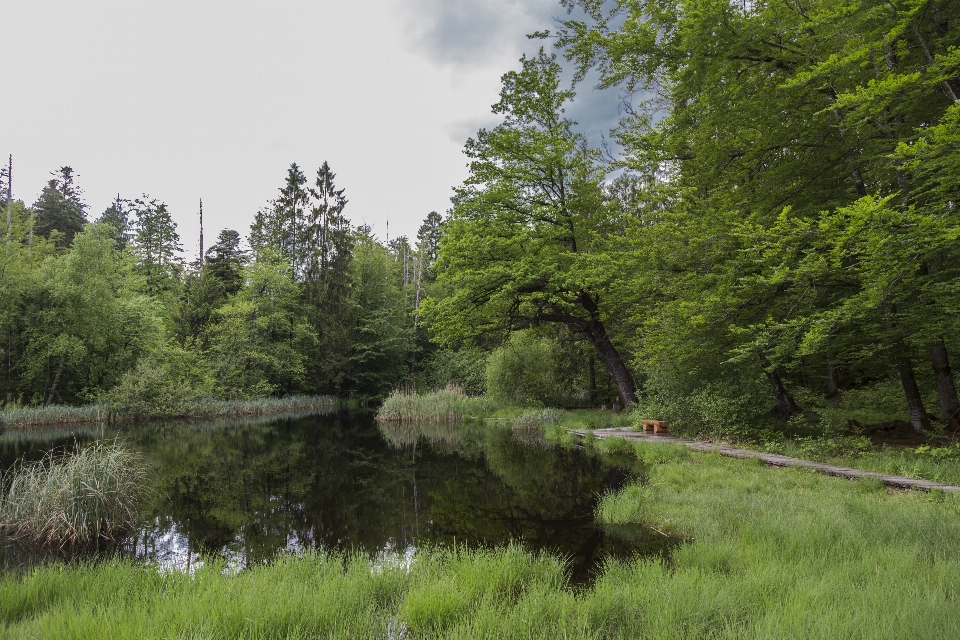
[{"x": 76, "y": 499}]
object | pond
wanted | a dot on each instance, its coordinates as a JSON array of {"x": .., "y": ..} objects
[{"x": 247, "y": 491}]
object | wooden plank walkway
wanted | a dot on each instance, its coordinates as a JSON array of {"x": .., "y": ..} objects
[{"x": 775, "y": 460}]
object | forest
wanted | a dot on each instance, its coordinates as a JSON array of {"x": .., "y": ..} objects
[{"x": 775, "y": 242}]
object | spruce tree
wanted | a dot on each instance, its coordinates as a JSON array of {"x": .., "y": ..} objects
[{"x": 60, "y": 208}]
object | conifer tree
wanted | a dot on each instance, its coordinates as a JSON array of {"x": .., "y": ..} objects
[
  {"x": 60, "y": 208},
  {"x": 156, "y": 244}
]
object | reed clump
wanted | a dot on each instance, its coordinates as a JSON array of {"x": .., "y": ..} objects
[
  {"x": 116, "y": 412},
  {"x": 17, "y": 416},
  {"x": 77, "y": 499},
  {"x": 449, "y": 405}
]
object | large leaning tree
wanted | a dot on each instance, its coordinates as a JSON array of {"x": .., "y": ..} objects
[{"x": 524, "y": 245}]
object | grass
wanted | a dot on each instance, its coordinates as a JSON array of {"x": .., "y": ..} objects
[
  {"x": 401, "y": 435},
  {"x": 450, "y": 405},
  {"x": 937, "y": 463},
  {"x": 74, "y": 500},
  {"x": 940, "y": 464},
  {"x": 17, "y": 416},
  {"x": 26, "y": 417},
  {"x": 771, "y": 553}
]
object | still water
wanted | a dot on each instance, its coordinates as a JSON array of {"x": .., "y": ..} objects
[{"x": 247, "y": 491}]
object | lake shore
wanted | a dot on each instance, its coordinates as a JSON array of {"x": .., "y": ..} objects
[
  {"x": 55, "y": 415},
  {"x": 769, "y": 553}
]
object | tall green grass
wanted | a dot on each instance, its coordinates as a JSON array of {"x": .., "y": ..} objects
[
  {"x": 25, "y": 417},
  {"x": 17, "y": 416},
  {"x": 450, "y": 405},
  {"x": 75, "y": 499},
  {"x": 772, "y": 553},
  {"x": 940, "y": 464}
]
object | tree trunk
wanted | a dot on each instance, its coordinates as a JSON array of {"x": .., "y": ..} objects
[
  {"x": 608, "y": 354},
  {"x": 613, "y": 363},
  {"x": 946, "y": 389},
  {"x": 56, "y": 379},
  {"x": 918, "y": 415},
  {"x": 592, "y": 371},
  {"x": 785, "y": 406},
  {"x": 833, "y": 386}
]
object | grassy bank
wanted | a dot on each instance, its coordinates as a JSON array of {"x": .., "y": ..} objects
[
  {"x": 452, "y": 406},
  {"x": 771, "y": 553},
  {"x": 25, "y": 417},
  {"x": 929, "y": 462}
]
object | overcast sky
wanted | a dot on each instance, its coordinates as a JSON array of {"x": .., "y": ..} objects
[{"x": 214, "y": 100}]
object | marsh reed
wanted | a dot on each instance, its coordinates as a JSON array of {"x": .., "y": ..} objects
[{"x": 77, "y": 499}]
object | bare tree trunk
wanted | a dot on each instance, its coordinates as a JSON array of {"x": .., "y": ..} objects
[
  {"x": 9, "y": 198},
  {"x": 785, "y": 406},
  {"x": 56, "y": 379},
  {"x": 416, "y": 313},
  {"x": 201, "y": 233},
  {"x": 918, "y": 415},
  {"x": 946, "y": 389}
]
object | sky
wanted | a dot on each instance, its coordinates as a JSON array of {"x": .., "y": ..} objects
[{"x": 194, "y": 100}]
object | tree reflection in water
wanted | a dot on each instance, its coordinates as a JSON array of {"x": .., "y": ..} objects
[{"x": 247, "y": 491}]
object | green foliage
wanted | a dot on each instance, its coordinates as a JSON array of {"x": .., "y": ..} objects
[
  {"x": 465, "y": 367},
  {"x": 82, "y": 325},
  {"x": 117, "y": 216},
  {"x": 24, "y": 417},
  {"x": 537, "y": 418},
  {"x": 59, "y": 212},
  {"x": 168, "y": 382},
  {"x": 224, "y": 261},
  {"x": 809, "y": 240},
  {"x": 83, "y": 498},
  {"x": 260, "y": 341},
  {"x": 526, "y": 240},
  {"x": 524, "y": 370},
  {"x": 155, "y": 245}
]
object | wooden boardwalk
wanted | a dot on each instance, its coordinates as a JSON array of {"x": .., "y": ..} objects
[{"x": 776, "y": 460}]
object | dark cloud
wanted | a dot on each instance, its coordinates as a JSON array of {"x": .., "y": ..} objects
[
  {"x": 492, "y": 33},
  {"x": 596, "y": 111},
  {"x": 460, "y": 130},
  {"x": 474, "y": 33}
]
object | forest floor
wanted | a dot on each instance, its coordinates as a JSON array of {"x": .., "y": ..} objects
[{"x": 768, "y": 553}]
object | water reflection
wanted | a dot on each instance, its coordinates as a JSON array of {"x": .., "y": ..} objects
[{"x": 247, "y": 491}]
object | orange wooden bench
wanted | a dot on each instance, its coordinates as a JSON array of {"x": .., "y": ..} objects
[{"x": 654, "y": 426}]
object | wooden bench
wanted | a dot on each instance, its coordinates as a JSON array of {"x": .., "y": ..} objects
[{"x": 654, "y": 426}]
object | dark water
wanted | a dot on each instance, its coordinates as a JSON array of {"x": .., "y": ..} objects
[{"x": 249, "y": 491}]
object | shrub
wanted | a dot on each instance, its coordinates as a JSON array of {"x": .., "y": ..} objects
[
  {"x": 524, "y": 371},
  {"x": 466, "y": 368},
  {"x": 76, "y": 499},
  {"x": 164, "y": 383}
]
